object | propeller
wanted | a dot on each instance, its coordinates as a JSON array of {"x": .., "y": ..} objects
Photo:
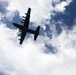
[
  {"x": 19, "y": 34},
  {"x": 20, "y": 30},
  {"x": 22, "y": 21},
  {"x": 23, "y": 17},
  {"x": 19, "y": 39},
  {"x": 25, "y": 13}
]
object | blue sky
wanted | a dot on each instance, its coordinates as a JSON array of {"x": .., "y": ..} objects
[
  {"x": 69, "y": 16},
  {"x": 53, "y": 53}
]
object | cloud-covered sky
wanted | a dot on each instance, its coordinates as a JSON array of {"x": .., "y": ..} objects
[{"x": 54, "y": 51}]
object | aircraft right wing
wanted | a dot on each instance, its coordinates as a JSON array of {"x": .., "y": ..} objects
[{"x": 27, "y": 18}]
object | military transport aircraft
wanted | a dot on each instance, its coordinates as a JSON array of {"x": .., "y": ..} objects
[{"x": 24, "y": 29}]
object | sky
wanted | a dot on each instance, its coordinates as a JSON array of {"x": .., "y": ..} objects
[{"x": 54, "y": 51}]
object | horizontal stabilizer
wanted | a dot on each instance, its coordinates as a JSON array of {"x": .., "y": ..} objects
[{"x": 36, "y": 33}]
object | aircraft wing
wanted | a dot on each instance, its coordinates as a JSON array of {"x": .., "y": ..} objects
[
  {"x": 27, "y": 18},
  {"x": 22, "y": 37}
]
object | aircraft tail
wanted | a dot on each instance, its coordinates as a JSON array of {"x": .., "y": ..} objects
[{"x": 36, "y": 33}]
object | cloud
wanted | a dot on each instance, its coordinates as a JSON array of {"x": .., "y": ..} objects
[
  {"x": 61, "y": 6},
  {"x": 41, "y": 10},
  {"x": 30, "y": 59}
]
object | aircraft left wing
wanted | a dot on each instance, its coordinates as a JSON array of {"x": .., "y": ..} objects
[{"x": 22, "y": 37}]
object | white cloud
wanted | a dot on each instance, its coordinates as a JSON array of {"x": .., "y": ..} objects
[
  {"x": 40, "y": 8},
  {"x": 29, "y": 58},
  {"x": 60, "y": 7}
]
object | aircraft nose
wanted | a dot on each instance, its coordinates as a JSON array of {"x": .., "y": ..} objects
[{"x": 13, "y": 23}]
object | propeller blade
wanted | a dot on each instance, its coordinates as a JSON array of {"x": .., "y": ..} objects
[
  {"x": 22, "y": 22},
  {"x": 19, "y": 34},
  {"x": 23, "y": 17},
  {"x": 20, "y": 30},
  {"x": 19, "y": 39},
  {"x": 25, "y": 13}
]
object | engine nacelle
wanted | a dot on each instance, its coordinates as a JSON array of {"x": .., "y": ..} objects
[
  {"x": 19, "y": 34},
  {"x": 19, "y": 39},
  {"x": 22, "y": 21},
  {"x": 25, "y": 13},
  {"x": 20, "y": 30},
  {"x": 23, "y": 17}
]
